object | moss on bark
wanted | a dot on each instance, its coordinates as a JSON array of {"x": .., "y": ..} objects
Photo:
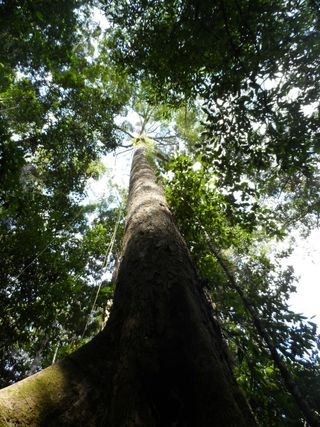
[{"x": 28, "y": 402}]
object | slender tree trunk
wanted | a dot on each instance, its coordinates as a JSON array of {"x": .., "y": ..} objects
[
  {"x": 308, "y": 413},
  {"x": 160, "y": 361}
]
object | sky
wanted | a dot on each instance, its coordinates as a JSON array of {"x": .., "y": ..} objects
[{"x": 305, "y": 260}]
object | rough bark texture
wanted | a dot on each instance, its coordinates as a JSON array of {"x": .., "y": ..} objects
[{"x": 161, "y": 360}]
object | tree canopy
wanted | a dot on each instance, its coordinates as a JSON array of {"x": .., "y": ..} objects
[{"x": 228, "y": 91}]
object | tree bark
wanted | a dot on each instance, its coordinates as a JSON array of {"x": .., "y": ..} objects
[{"x": 161, "y": 359}]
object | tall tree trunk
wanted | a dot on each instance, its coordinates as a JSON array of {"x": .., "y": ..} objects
[{"x": 160, "y": 361}]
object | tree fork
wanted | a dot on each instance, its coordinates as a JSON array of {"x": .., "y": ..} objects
[{"x": 160, "y": 361}]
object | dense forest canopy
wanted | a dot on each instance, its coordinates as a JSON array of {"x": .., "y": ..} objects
[{"x": 228, "y": 95}]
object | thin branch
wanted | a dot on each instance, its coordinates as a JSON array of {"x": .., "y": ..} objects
[
  {"x": 8, "y": 108},
  {"x": 167, "y": 137},
  {"x": 124, "y": 131},
  {"x": 163, "y": 143},
  {"x": 125, "y": 151},
  {"x": 309, "y": 414},
  {"x": 124, "y": 146},
  {"x": 154, "y": 127}
]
